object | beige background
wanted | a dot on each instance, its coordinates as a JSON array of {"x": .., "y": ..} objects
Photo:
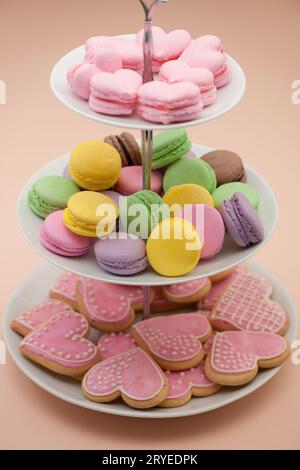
[{"x": 264, "y": 36}]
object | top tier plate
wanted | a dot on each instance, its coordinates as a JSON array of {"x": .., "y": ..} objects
[{"x": 228, "y": 96}]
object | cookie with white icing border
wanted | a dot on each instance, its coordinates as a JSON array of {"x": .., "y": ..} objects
[
  {"x": 236, "y": 356},
  {"x": 131, "y": 375},
  {"x": 174, "y": 341},
  {"x": 115, "y": 343},
  {"x": 160, "y": 303},
  {"x": 188, "y": 292},
  {"x": 64, "y": 289}
]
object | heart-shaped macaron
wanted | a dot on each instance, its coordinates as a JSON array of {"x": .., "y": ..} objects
[
  {"x": 109, "y": 307},
  {"x": 209, "y": 42},
  {"x": 79, "y": 79},
  {"x": 121, "y": 86},
  {"x": 130, "y": 52},
  {"x": 235, "y": 356},
  {"x": 64, "y": 289},
  {"x": 179, "y": 71},
  {"x": 214, "y": 61},
  {"x": 133, "y": 375},
  {"x": 174, "y": 341},
  {"x": 60, "y": 344},
  {"x": 245, "y": 305},
  {"x": 32, "y": 318}
]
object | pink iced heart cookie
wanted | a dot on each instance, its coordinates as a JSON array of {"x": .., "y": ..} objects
[
  {"x": 160, "y": 303},
  {"x": 188, "y": 292},
  {"x": 64, "y": 289},
  {"x": 236, "y": 355},
  {"x": 245, "y": 305},
  {"x": 176, "y": 71},
  {"x": 212, "y": 60},
  {"x": 115, "y": 93},
  {"x": 60, "y": 345},
  {"x": 111, "y": 344},
  {"x": 185, "y": 384},
  {"x": 35, "y": 316},
  {"x": 131, "y": 53},
  {"x": 133, "y": 375},
  {"x": 79, "y": 79},
  {"x": 209, "y": 301},
  {"x": 109, "y": 307},
  {"x": 166, "y": 46},
  {"x": 174, "y": 341},
  {"x": 164, "y": 102}
]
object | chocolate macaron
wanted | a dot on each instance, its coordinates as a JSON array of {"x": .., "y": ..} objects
[
  {"x": 228, "y": 166},
  {"x": 127, "y": 147}
]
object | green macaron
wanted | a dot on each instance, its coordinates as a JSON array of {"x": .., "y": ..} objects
[
  {"x": 50, "y": 194},
  {"x": 226, "y": 191},
  {"x": 169, "y": 146},
  {"x": 190, "y": 171},
  {"x": 141, "y": 212}
]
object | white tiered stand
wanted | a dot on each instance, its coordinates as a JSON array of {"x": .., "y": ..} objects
[{"x": 36, "y": 286}]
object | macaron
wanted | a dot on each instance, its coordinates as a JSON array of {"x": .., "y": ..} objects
[
  {"x": 90, "y": 214},
  {"x": 50, "y": 194},
  {"x": 241, "y": 220},
  {"x": 123, "y": 254},
  {"x": 95, "y": 165},
  {"x": 141, "y": 212},
  {"x": 210, "y": 227},
  {"x": 178, "y": 196},
  {"x": 226, "y": 191},
  {"x": 190, "y": 170},
  {"x": 114, "y": 195},
  {"x": 169, "y": 146},
  {"x": 227, "y": 165},
  {"x": 127, "y": 147},
  {"x": 58, "y": 239},
  {"x": 174, "y": 247},
  {"x": 131, "y": 180}
]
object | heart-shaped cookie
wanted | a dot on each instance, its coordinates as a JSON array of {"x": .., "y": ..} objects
[
  {"x": 185, "y": 384},
  {"x": 188, "y": 292},
  {"x": 245, "y": 305},
  {"x": 111, "y": 344},
  {"x": 235, "y": 356},
  {"x": 174, "y": 341},
  {"x": 179, "y": 71},
  {"x": 60, "y": 345},
  {"x": 108, "y": 307},
  {"x": 133, "y": 375},
  {"x": 64, "y": 289},
  {"x": 35, "y": 316}
]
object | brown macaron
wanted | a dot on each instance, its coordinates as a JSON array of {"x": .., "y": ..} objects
[
  {"x": 227, "y": 165},
  {"x": 127, "y": 147}
]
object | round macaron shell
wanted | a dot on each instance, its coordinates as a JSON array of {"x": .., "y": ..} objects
[
  {"x": 228, "y": 166},
  {"x": 122, "y": 254},
  {"x": 58, "y": 239},
  {"x": 226, "y": 191},
  {"x": 190, "y": 171},
  {"x": 131, "y": 180},
  {"x": 210, "y": 227}
]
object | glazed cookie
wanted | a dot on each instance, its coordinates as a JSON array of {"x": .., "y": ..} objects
[
  {"x": 35, "y": 316},
  {"x": 160, "y": 303},
  {"x": 246, "y": 305},
  {"x": 133, "y": 375},
  {"x": 60, "y": 345},
  {"x": 65, "y": 289},
  {"x": 174, "y": 341},
  {"x": 188, "y": 292},
  {"x": 111, "y": 344},
  {"x": 236, "y": 356},
  {"x": 185, "y": 384},
  {"x": 109, "y": 307}
]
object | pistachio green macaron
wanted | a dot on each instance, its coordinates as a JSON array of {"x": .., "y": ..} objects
[
  {"x": 190, "y": 171},
  {"x": 226, "y": 191}
]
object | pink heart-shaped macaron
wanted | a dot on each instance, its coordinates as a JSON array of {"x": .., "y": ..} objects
[
  {"x": 132, "y": 374},
  {"x": 209, "y": 42},
  {"x": 130, "y": 52},
  {"x": 79, "y": 79},
  {"x": 174, "y": 340},
  {"x": 245, "y": 305},
  {"x": 121, "y": 86},
  {"x": 60, "y": 345},
  {"x": 214, "y": 61}
]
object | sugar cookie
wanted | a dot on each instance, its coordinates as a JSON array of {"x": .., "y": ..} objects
[
  {"x": 111, "y": 344},
  {"x": 64, "y": 289},
  {"x": 188, "y": 292}
]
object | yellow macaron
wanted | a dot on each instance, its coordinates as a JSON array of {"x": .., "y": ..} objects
[
  {"x": 178, "y": 196},
  {"x": 90, "y": 214},
  {"x": 95, "y": 165},
  {"x": 174, "y": 247}
]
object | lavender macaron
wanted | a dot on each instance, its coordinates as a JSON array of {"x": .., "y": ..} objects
[
  {"x": 241, "y": 220},
  {"x": 124, "y": 254}
]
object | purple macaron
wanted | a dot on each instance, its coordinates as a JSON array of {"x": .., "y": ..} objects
[
  {"x": 124, "y": 254},
  {"x": 241, "y": 221}
]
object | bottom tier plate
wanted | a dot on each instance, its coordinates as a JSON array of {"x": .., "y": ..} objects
[{"x": 36, "y": 287}]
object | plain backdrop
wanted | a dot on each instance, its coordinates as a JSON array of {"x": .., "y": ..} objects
[{"x": 264, "y": 36}]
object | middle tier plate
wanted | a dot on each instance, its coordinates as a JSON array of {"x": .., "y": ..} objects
[{"x": 87, "y": 266}]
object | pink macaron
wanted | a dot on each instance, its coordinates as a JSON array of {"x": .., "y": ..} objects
[
  {"x": 131, "y": 180},
  {"x": 58, "y": 239},
  {"x": 209, "y": 225},
  {"x": 214, "y": 61},
  {"x": 79, "y": 79}
]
